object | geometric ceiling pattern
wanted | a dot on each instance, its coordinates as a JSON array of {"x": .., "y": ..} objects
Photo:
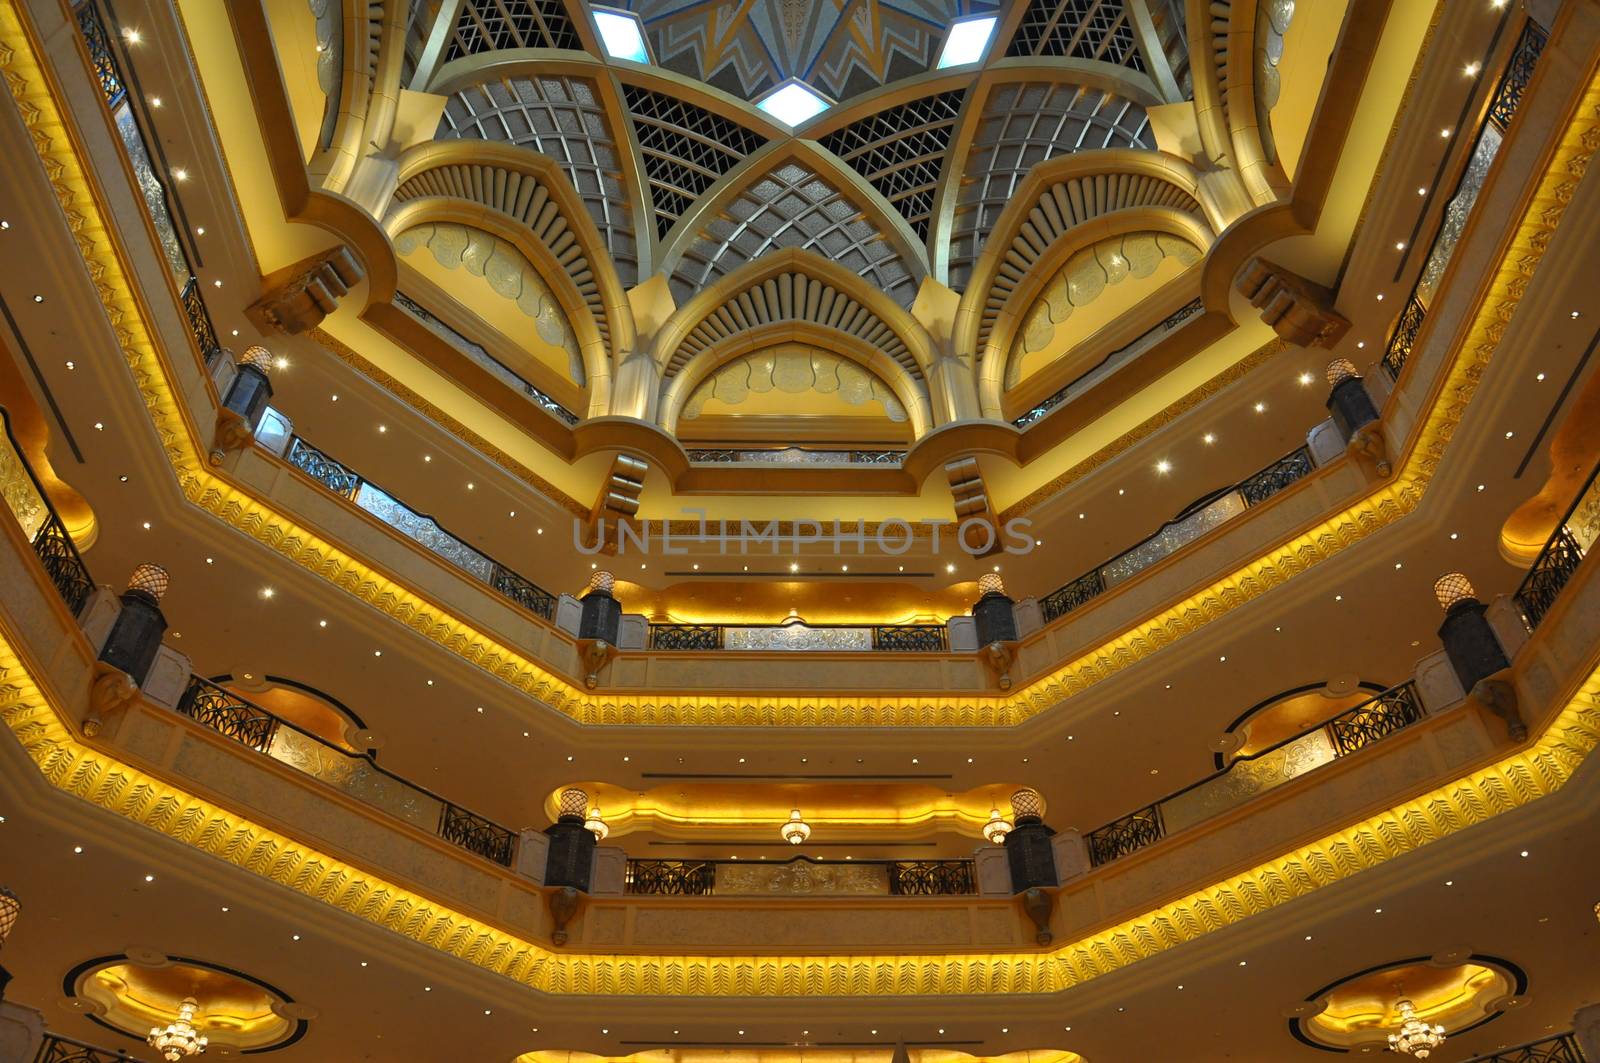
[
  {"x": 900, "y": 151},
  {"x": 792, "y": 206},
  {"x": 842, "y": 48},
  {"x": 1078, "y": 29},
  {"x": 685, "y": 149}
]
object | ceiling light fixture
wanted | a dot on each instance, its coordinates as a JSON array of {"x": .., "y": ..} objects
[
  {"x": 622, "y": 35},
  {"x": 967, "y": 41},
  {"x": 595, "y": 824},
  {"x": 997, "y": 828},
  {"x": 1416, "y": 1038},
  {"x": 793, "y": 103},
  {"x": 796, "y": 830},
  {"x": 179, "y": 1040}
]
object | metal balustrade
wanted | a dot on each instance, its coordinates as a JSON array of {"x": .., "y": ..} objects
[
  {"x": 794, "y": 636},
  {"x": 355, "y": 774},
  {"x": 1503, "y": 106},
  {"x": 57, "y": 1049},
  {"x": 1562, "y": 1048},
  {"x": 348, "y": 484},
  {"x": 28, "y": 503},
  {"x": 895, "y": 878},
  {"x": 1352, "y": 730},
  {"x": 1567, "y": 546},
  {"x": 1200, "y": 518},
  {"x": 794, "y": 456}
]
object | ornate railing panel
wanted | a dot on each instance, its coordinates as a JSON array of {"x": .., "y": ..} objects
[
  {"x": 1382, "y": 716},
  {"x": 1115, "y": 360},
  {"x": 101, "y": 59},
  {"x": 194, "y": 311},
  {"x": 931, "y": 878},
  {"x": 1200, "y": 519},
  {"x": 677, "y": 878},
  {"x": 354, "y": 774},
  {"x": 795, "y": 456},
  {"x": 1568, "y": 545},
  {"x": 477, "y": 835},
  {"x": 57, "y": 1049},
  {"x": 228, "y": 714},
  {"x": 61, "y": 561},
  {"x": 323, "y": 469},
  {"x": 685, "y": 637},
  {"x": 909, "y": 638},
  {"x": 1503, "y": 106},
  {"x": 1126, "y": 835},
  {"x": 1275, "y": 477},
  {"x": 1247, "y": 777},
  {"x": 420, "y": 528},
  {"x": 1562, "y": 1048},
  {"x": 478, "y": 353}
]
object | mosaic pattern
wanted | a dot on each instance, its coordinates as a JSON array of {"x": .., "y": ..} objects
[
  {"x": 1024, "y": 124},
  {"x": 798, "y": 637},
  {"x": 794, "y": 207},
  {"x": 841, "y": 48},
  {"x": 901, "y": 152},
  {"x": 563, "y": 118}
]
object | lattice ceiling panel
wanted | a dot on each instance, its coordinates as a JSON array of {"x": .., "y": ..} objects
[
  {"x": 901, "y": 152},
  {"x": 489, "y": 25},
  {"x": 685, "y": 149},
  {"x": 562, "y": 118},
  {"x": 793, "y": 207},
  {"x": 1078, "y": 29},
  {"x": 1024, "y": 124},
  {"x": 419, "y": 23}
]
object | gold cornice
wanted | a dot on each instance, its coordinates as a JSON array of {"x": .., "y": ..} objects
[{"x": 215, "y": 494}]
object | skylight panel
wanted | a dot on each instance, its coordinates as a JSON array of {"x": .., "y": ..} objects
[
  {"x": 793, "y": 104},
  {"x": 622, "y": 35},
  {"x": 967, "y": 41}
]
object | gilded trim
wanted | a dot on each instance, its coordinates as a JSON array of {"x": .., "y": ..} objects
[{"x": 212, "y": 493}]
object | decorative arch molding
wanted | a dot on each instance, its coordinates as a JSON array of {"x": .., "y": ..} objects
[
  {"x": 869, "y": 206},
  {"x": 1058, "y": 196},
  {"x": 1010, "y": 316},
  {"x": 908, "y": 390},
  {"x": 793, "y": 287},
  {"x": 360, "y": 39},
  {"x": 546, "y": 216}
]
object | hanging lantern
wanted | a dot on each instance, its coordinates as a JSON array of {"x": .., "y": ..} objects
[{"x": 796, "y": 830}]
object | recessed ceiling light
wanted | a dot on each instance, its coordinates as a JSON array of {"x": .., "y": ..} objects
[
  {"x": 949, "y": 568},
  {"x": 793, "y": 104},
  {"x": 77, "y": 848},
  {"x": 1261, "y": 407},
  {"x": 266, "y": 592},
  {"x": 1510, "y": 434},
  {"x": 1524, "y": 852},
  {"x": 383, "y": 428},
  {"x": 1472, "y": 68},
  {"x": 99, "y": 426},
  {"x": 471, "y": 486},
  {"x": 155, "y": 101},
  {"x": 1481, "y": 487},
  {"x": 1454, "y": 536},
  {"x": 131, "y": 36},
  {"x": 1306, "y": 379},
  {"x": 38, "y": 298},
  {"x": 1576, "y": 315},
  {"x": 201, "y": 231},
  {"x": 427, "y": 457},
  {"x": 377, "y": 653},
  {"x": 966, "y": 41},
  {"x": 1445, "y": 131},
  {"x": 1360, "y": 344},
  {"x": 322, "y": 623},
  {"x": 622, "y": 35},
  {"x": 1163, "y": 466},
  {"x": 1400, "y": 245},
  {"x": 1540, "y": 378},
  {"x": 1209, "y": 438}
]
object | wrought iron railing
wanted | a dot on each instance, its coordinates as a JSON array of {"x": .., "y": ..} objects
[
  {"x": 1354, "y": 729},
  {"x": 1562, "y": 1048},
  {"x": 1197, "y": 520},
  {"x": 795, "y": 456},
  {"x": 152, "y": 188},
  {"x": 1112, "y": 361},
  {"x": 420, "y": 528},
  {"x": 27, "y": 502},
  {"x": 676, "y": 878},
  {"x": 931, "y": 878},
  {"x": 480, "y": 354},
  {"x": 57, "y": 1049},
  {"x": 1568, "y": 545},
  {"x": 352, "y": 773},
  {"x": 1502, "y": 108},
  {"x": 796, "y": 636},
  {"x": 897, "y": 878}
]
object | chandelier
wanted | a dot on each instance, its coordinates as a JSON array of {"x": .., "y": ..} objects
[
  {"x": 596, "y": 825},
  {"x": 796, "y": 830},
  {"x": 179, "y": 1039},
  {"x": 1416, "y": 1038},
  {"x": 997, "y": 828}
]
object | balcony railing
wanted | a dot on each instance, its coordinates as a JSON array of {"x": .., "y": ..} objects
[
  {"x": 1502, "y": 108},
  {"x": 478, "y": 353},
  {"x": 28, "y": 503},
  {"x": 354, "y": 774},
  {"x": 800, "y": 637},
  {"x": 1200, "y": 518},
  {"x": 802, "y": 875},
  {"x": 420, "y": 528},
  {"x": 1113, "y": 361},
  {"x": 1562, "y": 1048},
  {"x": 57, "y": 1049},
  {"x": 158, "y": 201},
  {"x": 1568, "y": 545},
  {"x": 795, "y": 456},
  {"x": 1351, "y": 730}
]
